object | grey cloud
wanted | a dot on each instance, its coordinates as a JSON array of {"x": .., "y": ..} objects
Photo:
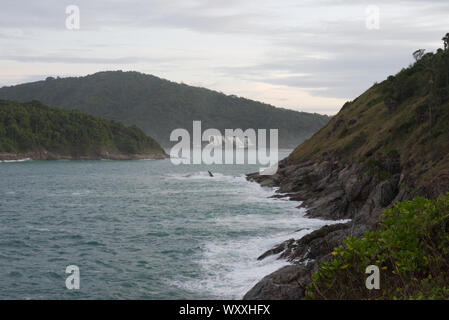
[
  {"x": 353, "y": 58},
  {"x": 207, "y": 16},
  {"x": 349, "y": 71},
  {"x": 68, "y": 59},
  {"x": 201, "y": 15}
]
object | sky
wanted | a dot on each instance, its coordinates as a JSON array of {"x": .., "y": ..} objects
[{"x": 306, "y": 55}]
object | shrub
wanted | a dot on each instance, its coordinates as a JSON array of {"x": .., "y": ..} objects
[{"x": 411, "y": 249}]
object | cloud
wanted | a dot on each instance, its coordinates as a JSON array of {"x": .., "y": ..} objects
[
  {"x": 62, "y": 59},
  {"x": 321, "y": 47}
]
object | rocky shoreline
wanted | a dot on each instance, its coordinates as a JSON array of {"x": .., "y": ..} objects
[
  {"x": 331, "y": 189},
  {"x": 47, "y": 155}
]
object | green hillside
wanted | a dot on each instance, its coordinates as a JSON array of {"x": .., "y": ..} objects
[
  {"x": 399, "y": 127},
  {"x": 382, "y": 163},
  {"x": 404, "y": 118},
  {"x": 37, "y": 129},
  {"x": 158, "y": 106}
]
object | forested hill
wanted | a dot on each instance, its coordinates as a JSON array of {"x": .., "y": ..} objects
[
  {"x": 38, "y": 131},
  {"x": 158, "y": 106}
]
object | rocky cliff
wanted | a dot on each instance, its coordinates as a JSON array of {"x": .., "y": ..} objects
[
  {"x": 330, "y": 190},
  {"x": 390, "y": 144}
]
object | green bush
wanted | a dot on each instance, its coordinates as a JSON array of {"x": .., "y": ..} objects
[{"x": 410, "y": 247}]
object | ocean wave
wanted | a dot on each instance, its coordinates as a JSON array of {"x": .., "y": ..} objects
[
  {"x": 33, "y": 228},
  {"x": 229, "y": 266},
  {"x": 80, "y": 193},
  {"x": 14, "y": 161}
]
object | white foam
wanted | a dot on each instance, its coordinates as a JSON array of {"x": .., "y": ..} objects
[
  {"x": 33, "y": 228},
  {"x": 229, "y": 267},
  {"x": 18, "y": 160},
  {"x": 79, "y": 193}
]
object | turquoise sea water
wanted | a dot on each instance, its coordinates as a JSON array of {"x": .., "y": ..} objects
[{"x": 138, "y": 229}]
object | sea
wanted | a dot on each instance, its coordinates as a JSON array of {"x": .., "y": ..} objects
[{"x": 143, "y": 229}]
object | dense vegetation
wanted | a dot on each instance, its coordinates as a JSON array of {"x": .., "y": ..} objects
[
  {"x": 411, "y": 249},
  {"x": 400, "y": 122},
  {"x": 158, "y": 106},
  {"x": 33, "y": 126}
]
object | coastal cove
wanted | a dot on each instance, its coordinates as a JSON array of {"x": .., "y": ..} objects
[{"x": 139, "y": 229}]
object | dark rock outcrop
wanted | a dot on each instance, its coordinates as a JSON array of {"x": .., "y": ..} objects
[
  {"x": 288, "y": 283},
  {"x": 331, "y": 190}
]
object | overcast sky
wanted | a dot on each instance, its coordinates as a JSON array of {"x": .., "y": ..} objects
[{"x": 310, "y": 55}]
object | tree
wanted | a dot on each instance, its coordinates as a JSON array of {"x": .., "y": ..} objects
[
  {"x": 446, "y": 41},
  {"x": 418, "y": 54}
]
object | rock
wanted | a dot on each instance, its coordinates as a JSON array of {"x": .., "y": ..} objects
[
  {"x": 385, "y": 192},
  {"x": 317, "y": 244},
  {"x": 270, "y": 182},
  {"x": 47, "y": 155},
  {"x": 333, "y": 190},
  {"x": 278, "y": 249},
  {"x": 329, "y": 190},
  {"x": 288, "y": 283}
]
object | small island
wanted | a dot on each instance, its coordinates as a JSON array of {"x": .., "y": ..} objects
[{"x": 32, "y": 130}]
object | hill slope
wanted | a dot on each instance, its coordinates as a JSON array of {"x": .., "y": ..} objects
[
  {"x": 400, "y": 122},
  {"x": 388, "y": 146},
  {"x": 34, "y": 130},
  {"x": 158, "y": 106}
]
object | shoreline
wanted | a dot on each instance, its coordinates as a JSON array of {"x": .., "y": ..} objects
[
  {"x": 52, "y": 156},
  {"x": 330, "y": 190}
]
